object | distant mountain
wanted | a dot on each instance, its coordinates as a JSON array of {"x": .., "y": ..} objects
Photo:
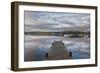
[{"x": 83, "y": 29}]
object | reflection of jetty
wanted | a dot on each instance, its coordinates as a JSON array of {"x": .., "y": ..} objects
[{"x": 58, "y": 51}]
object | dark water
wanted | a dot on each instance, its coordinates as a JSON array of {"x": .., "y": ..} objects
[{"x": 37, "y": 46}]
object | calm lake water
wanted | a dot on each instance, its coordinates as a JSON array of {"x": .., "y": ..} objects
[{"x": 37, "y": 46}]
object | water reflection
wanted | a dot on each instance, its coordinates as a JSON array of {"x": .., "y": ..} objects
[{"x": 37, "y": 46}]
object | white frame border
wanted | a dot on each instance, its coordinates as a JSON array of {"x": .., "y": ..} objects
[{"x": 34, "y": 64}]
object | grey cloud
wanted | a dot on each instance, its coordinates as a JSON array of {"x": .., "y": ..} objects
[{"x": 52, "y": 20}]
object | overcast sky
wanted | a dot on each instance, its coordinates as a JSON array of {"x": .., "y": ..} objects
[{"x": 56, "y": 21}]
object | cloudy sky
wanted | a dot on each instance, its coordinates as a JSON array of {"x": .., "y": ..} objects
[{"x": 56, "y": 21}]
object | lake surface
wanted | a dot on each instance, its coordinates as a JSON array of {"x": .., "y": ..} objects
[{"x": 35, "y": 47}]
